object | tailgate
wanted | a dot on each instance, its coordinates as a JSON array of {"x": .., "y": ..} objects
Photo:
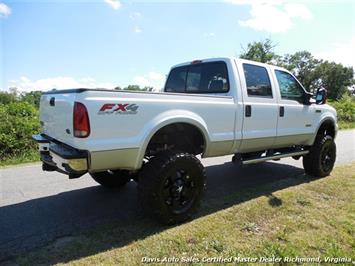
[{"x": 56, "y": 116}]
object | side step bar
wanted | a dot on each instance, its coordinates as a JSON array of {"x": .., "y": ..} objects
[{"x": 274, "y": 157}]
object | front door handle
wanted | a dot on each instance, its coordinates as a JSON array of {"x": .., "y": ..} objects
[
  {"x": 248, "y": 111},
  {"x": 282, "y": 111}
]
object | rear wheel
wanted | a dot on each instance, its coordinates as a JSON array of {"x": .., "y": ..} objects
[
  {"x": 112, "y": 179},
  {"x": 171, "y": 186},
  {"x": 319, "y": 162}
]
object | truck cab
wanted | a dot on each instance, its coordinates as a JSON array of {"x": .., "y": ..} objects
[{"x": 272, "y": 108}]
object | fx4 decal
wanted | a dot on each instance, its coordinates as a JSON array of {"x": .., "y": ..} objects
[{"x": 119, "y": 108}]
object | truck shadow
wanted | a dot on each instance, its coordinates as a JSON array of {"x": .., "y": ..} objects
[{"x": 114, "y": 218}]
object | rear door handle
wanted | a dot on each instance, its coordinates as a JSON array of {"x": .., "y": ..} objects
[
  {"x": 282, "y": 111},
  {"x": 248, "y": 111}
]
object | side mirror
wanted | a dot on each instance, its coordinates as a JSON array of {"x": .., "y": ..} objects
[
  {"x": 321, "y": 96},
  {"x": 307, "y": 98}
]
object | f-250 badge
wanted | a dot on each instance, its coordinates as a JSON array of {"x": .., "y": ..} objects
[{"x": 119, "y": 108}]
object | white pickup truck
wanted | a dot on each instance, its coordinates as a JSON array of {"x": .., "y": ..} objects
[{"x": 210, "y": 107}]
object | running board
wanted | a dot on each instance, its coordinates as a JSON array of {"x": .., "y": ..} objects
[{"x": 274, "y": 157}]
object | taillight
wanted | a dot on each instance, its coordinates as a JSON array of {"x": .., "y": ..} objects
[{"x": 81, "y": 123}]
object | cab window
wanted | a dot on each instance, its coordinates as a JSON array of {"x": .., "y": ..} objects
[
  {"x": 199, "y": 78},
  {"x": 176, "y": 80},
  {"x": 290, "y": 89},
  {"x": 257, "y": 81}
]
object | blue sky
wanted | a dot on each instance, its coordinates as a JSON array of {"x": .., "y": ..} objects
[{"x": 63, "y": 44}]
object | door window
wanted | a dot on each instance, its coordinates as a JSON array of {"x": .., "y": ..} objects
[
  {"x": 290, "y": 89},
  {"x": 257, "y": 81}
]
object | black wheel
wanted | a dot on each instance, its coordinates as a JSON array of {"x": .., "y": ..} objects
[
  {"x": 171, "y": 186},
  {"x": 319, "y": 162},
  {"x": 112, "y": 179}
]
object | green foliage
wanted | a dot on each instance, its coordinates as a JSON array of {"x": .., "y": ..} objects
[
  {"x": 135, "y": 88},
  {"x": 259, "y": 51},
  {"x": 302, "y": 65},
  {"x": 345, "y": 108},
  {"x": 6, "y": 97},
  {"x": 132, "y": 88},
  {"x": 334, "y": 77},
  {"x": 32, "y": 97},
  {"x": 19, "y": 120}
]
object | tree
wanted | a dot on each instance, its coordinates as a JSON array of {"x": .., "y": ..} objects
[
  {"x": 32, "y": 97},
  {"x": 7, "y": 97},
  {"x": 19, "y": 120},
  {"x": 137, "y": 88},
  {"x": 259, "y": 51},
  {"x": 302, "y": 65},
  {"x": 147, "y": 88},
  {"x": 132, "y": 88},
  {"x": 334, "y": 77}
]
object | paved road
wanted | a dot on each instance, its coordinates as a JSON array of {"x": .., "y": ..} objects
[{"x": 39, "y": 207}]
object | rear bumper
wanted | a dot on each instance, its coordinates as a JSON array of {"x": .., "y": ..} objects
[{"x": 60, "y": 157}]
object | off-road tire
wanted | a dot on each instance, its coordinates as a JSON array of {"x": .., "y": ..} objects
[
  {"x": 169, "y": 180},
  {"x": 112, "y": 179},
  {"x": 319, "y": 162}
]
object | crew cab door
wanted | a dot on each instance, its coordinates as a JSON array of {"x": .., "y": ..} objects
[
  {"x": 295, "y": 118},
  {"x": 260, "y": 107}
]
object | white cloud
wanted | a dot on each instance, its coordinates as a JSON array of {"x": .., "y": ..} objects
[
  {"x": 152, "y": 79},
  {"x": 343, "y": 53},
  {"x": 209, "y": 34},
  {"x": 135, "y": 15},
  {"x": 298, "y": 10},
  {"x": 141, "y": 81},
  {"x": 5, "y": 10},
  {"x": 137, "y": 29},
  {"x": 273, "y": 16},
  {"x": 115, "y": 4},
  {"x": 26, "y": 84},
  {"x": 156, "y": 76}
]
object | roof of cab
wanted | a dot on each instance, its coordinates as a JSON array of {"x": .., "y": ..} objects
[{"x": 213, "y": 59}]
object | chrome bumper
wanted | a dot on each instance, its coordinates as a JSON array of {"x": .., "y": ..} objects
[{"x": 60, "y": 157}]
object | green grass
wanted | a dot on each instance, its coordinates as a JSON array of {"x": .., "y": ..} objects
[
  {"x": 346, "y": 124},
  {"x": 294, "y": 216},
  {"x": 25, "y": 157}
]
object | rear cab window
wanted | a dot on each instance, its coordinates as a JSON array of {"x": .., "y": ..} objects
[{"x": 209, "y": 77}]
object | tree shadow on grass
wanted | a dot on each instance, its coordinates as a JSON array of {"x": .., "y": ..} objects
[{"x": 91, "y": 220}]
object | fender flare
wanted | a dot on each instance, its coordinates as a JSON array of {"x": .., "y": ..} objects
[
  {"x": 170, "y": 118},
  {"x": 327, "y": 119}
]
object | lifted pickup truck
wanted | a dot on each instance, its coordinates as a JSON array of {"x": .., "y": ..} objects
[{"x": 211, "y": 107}]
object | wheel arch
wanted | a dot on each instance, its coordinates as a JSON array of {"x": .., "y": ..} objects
[
  {"x": 170, "y": 119},
  {"x": 328, "y": 125}
]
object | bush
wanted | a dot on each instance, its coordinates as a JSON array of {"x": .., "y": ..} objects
[
  {"x": 19, "y": 120},
  {"x": 345, "y": 108},
  {"x": 6, "y": 97}
]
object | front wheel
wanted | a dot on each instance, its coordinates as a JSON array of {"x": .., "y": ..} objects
[
  {"x": 112, "y": 178},
  {"x": 171, "y": 186},
  {"x": 319, "y": 162}
]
